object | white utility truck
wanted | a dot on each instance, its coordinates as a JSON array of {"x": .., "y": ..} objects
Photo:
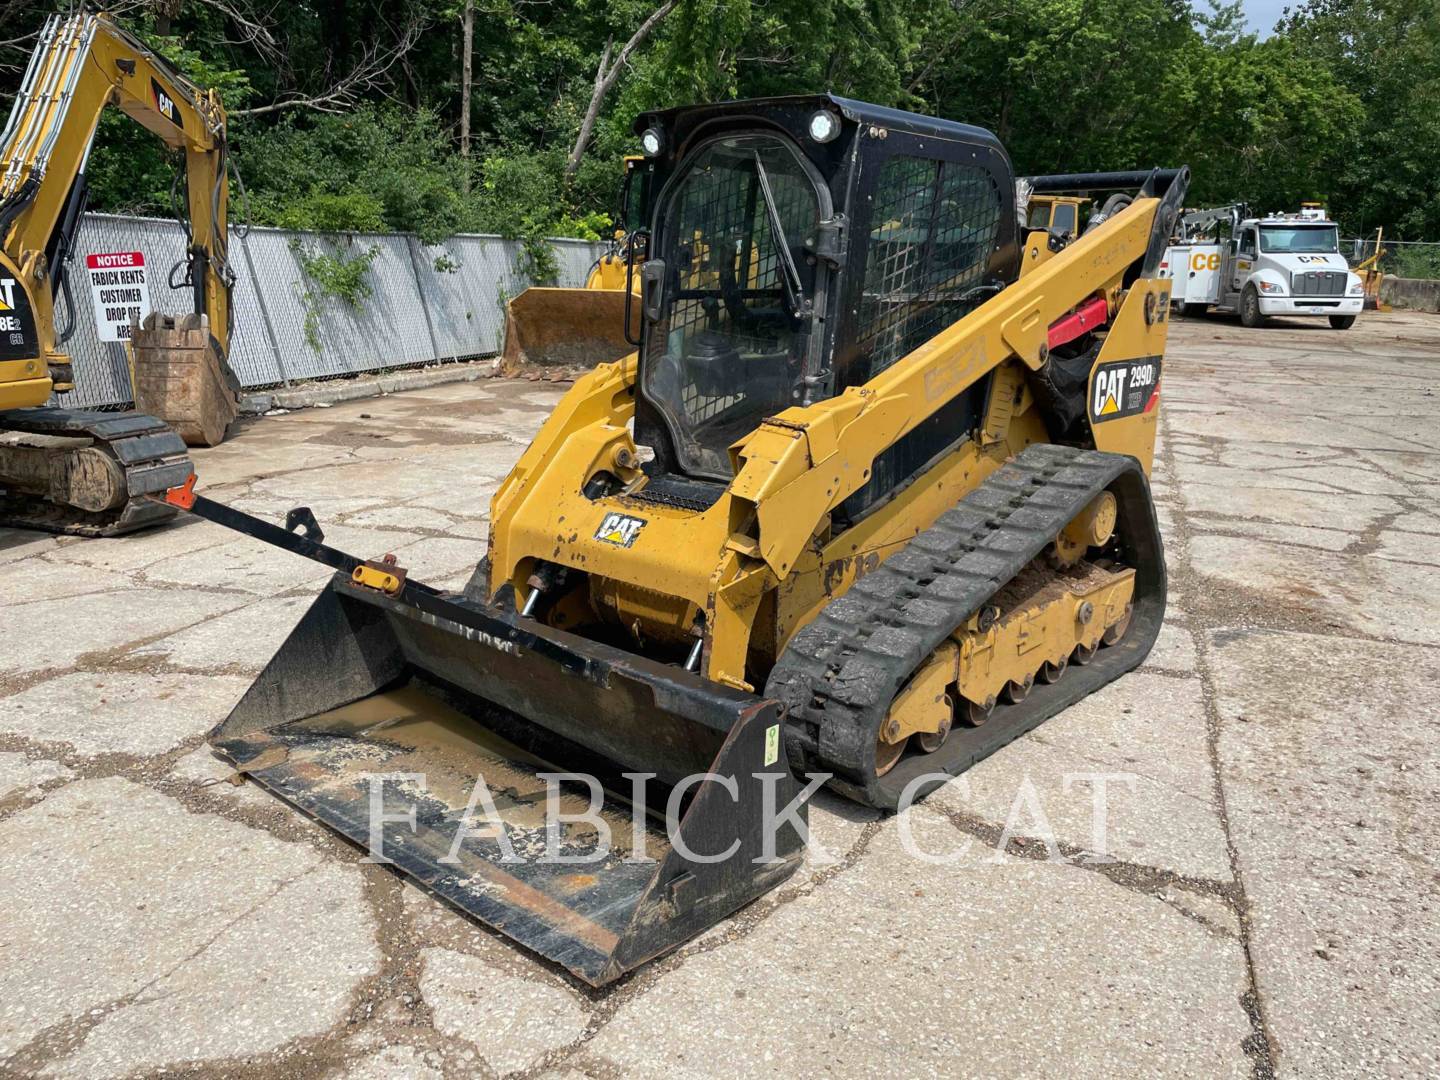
[{"x": 1282, "y": 264}]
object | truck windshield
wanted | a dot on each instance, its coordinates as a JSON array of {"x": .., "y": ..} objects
[
  {"x": 736, "y": 234},
  {"x": 1299, "y": 239}
]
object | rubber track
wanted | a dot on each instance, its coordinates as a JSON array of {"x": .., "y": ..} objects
[
  {"x": 840, "y": 673},
  {"x": 154, "y": 458}
]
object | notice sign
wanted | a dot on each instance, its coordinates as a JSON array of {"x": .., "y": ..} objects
[{"x": 117, "y": 286}]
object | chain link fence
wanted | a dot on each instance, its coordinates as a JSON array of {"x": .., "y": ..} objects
[
  {"x": 427, "y": 304},
  {"x": 1400, "y": 258}
]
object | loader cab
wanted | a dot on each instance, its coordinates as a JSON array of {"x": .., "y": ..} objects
[
  {"x": 800, "y": 246},
  {"x": 1055, "y": 214}
]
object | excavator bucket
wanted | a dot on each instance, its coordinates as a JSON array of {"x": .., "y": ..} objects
[
  {"x": 597, "y": 807},
  {"x": 179, "y": 377},
  {"x": 557, "y": 332}
]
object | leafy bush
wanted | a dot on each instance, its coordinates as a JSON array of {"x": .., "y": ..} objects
[
  {"x": 331, "y": 274},
  {"x": 1416, "y": 261},
  {"x": 352, "y": 211}
]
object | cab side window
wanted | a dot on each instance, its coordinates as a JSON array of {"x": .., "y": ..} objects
[
  {"x": 1247, "y": 242},
  {"x": 1064, "y": 219},
  {"x": 932, "y": 230}
]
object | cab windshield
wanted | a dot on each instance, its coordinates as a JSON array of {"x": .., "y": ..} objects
[
  {"x": 1299, "y": 239},
  {"x": 737, "y": 232}
]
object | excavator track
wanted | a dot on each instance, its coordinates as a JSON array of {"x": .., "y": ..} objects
[
  {"x": 142, "y": 456},
  {"x": 839, "y": 675}
]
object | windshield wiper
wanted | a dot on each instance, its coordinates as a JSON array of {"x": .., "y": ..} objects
[{"x": 794, "y": 290}]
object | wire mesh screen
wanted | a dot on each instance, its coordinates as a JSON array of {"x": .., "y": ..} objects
[
  {"x": 466, "y": 281},
  {"x": 573, "y": 260},
  {"x": 318, "y": 334},
  {"x": 932, "y": 229},
  {"x": 728, "y": 344},
  {"x": 422, "y": 308}
]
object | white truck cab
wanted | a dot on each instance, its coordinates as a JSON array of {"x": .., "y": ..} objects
[{"x": 1282, "y": 264}]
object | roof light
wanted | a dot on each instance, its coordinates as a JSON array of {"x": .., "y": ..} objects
[
  {"x": 652, "y": 142},
  {"x": 824, "y": 126}
]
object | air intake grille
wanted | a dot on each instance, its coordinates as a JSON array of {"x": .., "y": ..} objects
[{"x": 1318, "y": 283}]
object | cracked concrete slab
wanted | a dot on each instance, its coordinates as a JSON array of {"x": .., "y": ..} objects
[
  {"x": 1378, "y": 597},
  {"x": 201, "y": 770},
  {"x": 403, "y": 517},
  {"x": 1174, "y": 649},
  {"x": 513, "y": 1022},
  {"x": 122, "y": 555},
  {"x": 394, "y": 1063},
  {"x": 1327, "y": 747},
  {"x": 1257, "y": 427},
  {"x": 98, "y": 623},
  {"x": 1295, "y": 535},
  {"x": 881, "y": 963},
  {"x": 1089, "y": 777},
  {"x": 241, "y": 640},
  {"x": 139, "y": 935},
  {"x": 900, "y": 967},
  {"x": 24, "y": 775},
  {"x": 1422, "y": 549},
  {"x": 17, "y": 544},
  {"x": 1347, "y": 478},
  {"x": 116, "y": 712},
  {"x": 440, "y": 558},
  {"x": 44, "y": 580},
  {"x": 1353, "y": 513},
  {"x": 1203, "y": 468},
  {"x": 436, "y": 924}
]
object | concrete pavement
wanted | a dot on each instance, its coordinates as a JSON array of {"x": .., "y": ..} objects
[{"x": 1223, "y": 864}]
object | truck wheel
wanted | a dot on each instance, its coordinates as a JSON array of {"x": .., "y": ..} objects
[
  {"x": 1342, "y": 322},
  {"x": 1250, "y": 313},
  {"x": 1193, "y": 311}
]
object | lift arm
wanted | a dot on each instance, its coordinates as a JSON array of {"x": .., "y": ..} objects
[{"x": 83, "y": 64}]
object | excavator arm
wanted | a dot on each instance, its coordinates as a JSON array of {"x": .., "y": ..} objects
[{"x": 82, "y": 65}]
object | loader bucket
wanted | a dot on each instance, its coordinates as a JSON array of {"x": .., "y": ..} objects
[
  {"x": 563, "y": 331},
  {"x": 378, "y": 717}
]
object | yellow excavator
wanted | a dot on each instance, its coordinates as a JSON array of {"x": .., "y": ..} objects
[
  {"x": 84, "y": 472},
  {"x": 557, "y": 332},
  {"x": 869, "y": 501}
]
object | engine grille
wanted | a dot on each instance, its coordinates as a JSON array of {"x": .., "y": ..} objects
[
  {"x": 668, "y": 489},
  {"x": 1318, "y": 283}
]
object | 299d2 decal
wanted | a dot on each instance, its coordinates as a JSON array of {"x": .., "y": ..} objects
[{"x": 1123, "y": 388}]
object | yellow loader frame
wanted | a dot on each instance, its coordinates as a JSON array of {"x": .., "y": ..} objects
[{"x": 770, "y": 530}]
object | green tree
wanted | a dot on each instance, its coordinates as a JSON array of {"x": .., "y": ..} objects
[
  {"x": 345, "y": 114},
  {"x": 1386, "y": 54}
]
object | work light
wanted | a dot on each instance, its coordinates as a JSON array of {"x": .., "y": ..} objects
[{"x": 824, "y": 126}]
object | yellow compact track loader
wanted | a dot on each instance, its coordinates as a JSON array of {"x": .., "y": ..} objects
[
  {"x": 84, "y": 472},
  {"x": 558, "y": 333},
  {"x": 869, "y": 501}
]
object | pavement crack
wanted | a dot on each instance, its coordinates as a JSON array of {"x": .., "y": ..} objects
[
  {"x": 1137, "y": 877},
  {"x": 605, "y": 1002},
  {"x": 1260, "y": 1045}
]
